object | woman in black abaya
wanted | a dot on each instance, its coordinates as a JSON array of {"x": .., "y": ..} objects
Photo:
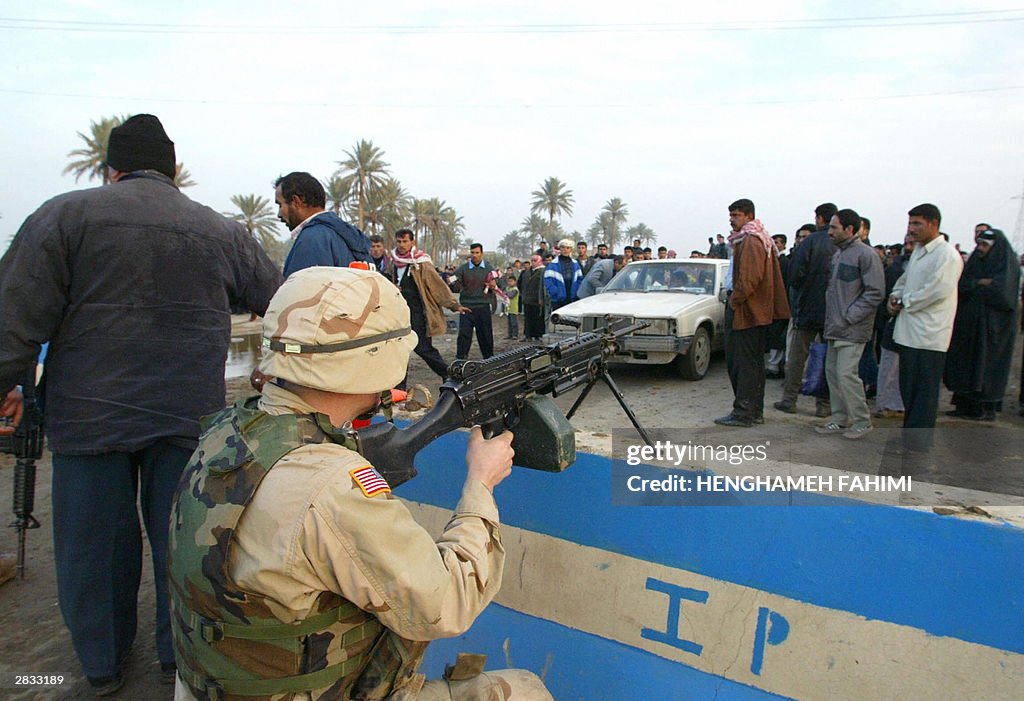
[{"x": 978, "y": 361}]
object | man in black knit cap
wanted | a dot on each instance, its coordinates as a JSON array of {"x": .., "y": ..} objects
[{"x": 132, "y": 284}]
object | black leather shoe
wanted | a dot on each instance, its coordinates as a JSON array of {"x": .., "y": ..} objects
[
  {"x": 784, "y": 406},
  {"x": 733, "y": 420}
]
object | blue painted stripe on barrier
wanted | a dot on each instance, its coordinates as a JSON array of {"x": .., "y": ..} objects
[
  {"x": 583, "y": 666},
  {"x": 943, "y": 575}
]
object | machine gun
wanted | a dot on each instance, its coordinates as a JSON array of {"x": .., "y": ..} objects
[
  {"x": 504, "y": 392},
  {"x": 26, "y": 444}
]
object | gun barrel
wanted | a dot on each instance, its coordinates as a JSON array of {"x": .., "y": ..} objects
[
  {"x": 20, "y": 567},
  {"x": 560, "y": 320},
  {"x": 24, "y": 505}
]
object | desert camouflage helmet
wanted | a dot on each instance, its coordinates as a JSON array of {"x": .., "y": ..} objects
[{"x": 337, "y": 329}]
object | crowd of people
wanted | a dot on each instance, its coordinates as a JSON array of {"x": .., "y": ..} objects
[
  {"x": 893, "y": 322},
  {"x": 132, "y": 284},
  {"x": 836, "y": 289},
  {"x": 897, "y": 322}
]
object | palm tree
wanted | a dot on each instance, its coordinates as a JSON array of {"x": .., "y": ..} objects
[
  {"x": 427, "y": 214},
  {"x": 442, "y": 223},
  {"x": 643, "y": 232},
  {"x": 257, "y": 215},
  {"x": 554, "y": 198},
  {"x": 600, "y": 231},
  {"x": 339, "y": 192},
  {"x": 365, "y": 165},
  {"x": 182, "y": 178},
  {"x": 535, "y": 228},
  {"x": 509, "y": 243},
  {"x": 517, "y": 244},
  {"x": 419, "y": 214},
  {"x": 452, "y": 231},
  {"x": 92, "y": 158},
  {"x": 437, "y": 213},
  {"x": 389, "y": 208},
  {"x": 617, "y": 214}
]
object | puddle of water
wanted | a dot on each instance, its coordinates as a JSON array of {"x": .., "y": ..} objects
[{"x": 243, "y": 355}]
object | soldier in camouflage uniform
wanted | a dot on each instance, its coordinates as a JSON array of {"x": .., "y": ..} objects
[{"x": 294, "y": 572}]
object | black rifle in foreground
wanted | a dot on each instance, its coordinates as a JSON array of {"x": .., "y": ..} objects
[
  {"x": 26, "y": 444},
  {"x": 504, "y": 392}
]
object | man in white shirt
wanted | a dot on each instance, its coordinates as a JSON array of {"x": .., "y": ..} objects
[{"x": 924, "y": 300}]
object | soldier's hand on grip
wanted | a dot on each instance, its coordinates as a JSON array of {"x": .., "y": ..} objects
[
  {"x": 11, "y": 408},
  {"x": 489, "y": 460}
]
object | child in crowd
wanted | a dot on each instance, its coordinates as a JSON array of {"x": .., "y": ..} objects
[{"x": 512, "y": 290}]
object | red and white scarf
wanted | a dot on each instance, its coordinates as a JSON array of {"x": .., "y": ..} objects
[
  {"x": 414, "y": 256},
  {"x": 495, "y": 276},
  {"x": 752, "y": 228}
]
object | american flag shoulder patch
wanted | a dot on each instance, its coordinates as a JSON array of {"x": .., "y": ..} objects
[{"x": 370, "y": 481}]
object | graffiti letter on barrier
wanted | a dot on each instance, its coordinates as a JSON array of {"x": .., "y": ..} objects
[
  {"x": 670, "y": 636},
  {"x": 771, "y": 628}
]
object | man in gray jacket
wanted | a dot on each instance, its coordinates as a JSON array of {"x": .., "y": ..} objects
[
  {"x": 132, "y": 284},
  {"x": 600, "y": 275},
  {"x": 855, "y": 289}
]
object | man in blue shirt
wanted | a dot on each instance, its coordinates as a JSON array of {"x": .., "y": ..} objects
[{"x": 320, "y": 237}]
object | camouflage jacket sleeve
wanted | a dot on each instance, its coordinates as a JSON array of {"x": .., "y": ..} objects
[{"x": 372, "y": 552}]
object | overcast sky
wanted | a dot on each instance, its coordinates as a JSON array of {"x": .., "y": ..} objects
[{"x": 677, "y": 108}]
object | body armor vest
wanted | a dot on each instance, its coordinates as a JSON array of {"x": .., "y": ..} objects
[{"x": 227, "y": 642}]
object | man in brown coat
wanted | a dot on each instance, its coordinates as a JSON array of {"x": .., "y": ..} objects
[
  {"x": 756, "y": 298},
  {"x": 425, "y": 292}
]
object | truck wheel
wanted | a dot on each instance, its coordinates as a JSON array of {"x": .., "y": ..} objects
[{"x": 694, "y": 365}]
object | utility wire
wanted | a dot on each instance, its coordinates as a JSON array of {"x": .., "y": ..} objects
[
  {"x": 507, "y": 106},
  {"x": 815, "y": 24}
]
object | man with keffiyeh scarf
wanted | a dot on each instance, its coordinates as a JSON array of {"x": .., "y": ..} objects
[
  {"x": 426, "y": 293},
  {"x": 756, "y": 299}
]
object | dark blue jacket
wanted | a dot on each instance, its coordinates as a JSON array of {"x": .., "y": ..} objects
[
  {"x": 131, "y": 283},
  {"x": 327, "y": 239},
  {"x": 810, "y": 267}
]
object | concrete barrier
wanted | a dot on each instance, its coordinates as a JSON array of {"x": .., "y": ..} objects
[{"x": 835, "y": 600}]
